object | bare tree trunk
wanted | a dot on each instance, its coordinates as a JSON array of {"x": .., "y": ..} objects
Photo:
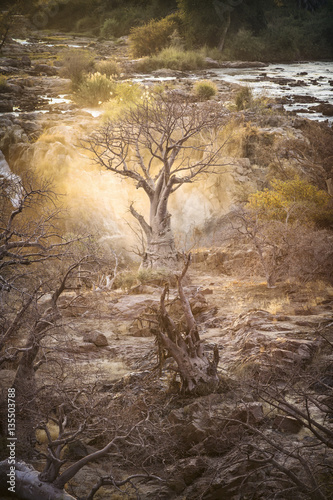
[
  {"x": 28, "y": 486},
  {"x": 160, "y": 249},
  {"x": 224, "y": 32}
]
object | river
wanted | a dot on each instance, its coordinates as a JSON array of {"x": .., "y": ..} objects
[{"x": 295, "y": 83}]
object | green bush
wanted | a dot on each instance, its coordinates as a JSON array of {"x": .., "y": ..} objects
[
  {"x": 172, "y": 58},
  {"x": 152, "y": 37},
  {"x": 123, "y": 96},
  {"x": 155, "y": 276},
  {"x": 87, "y": 24},
  {"x": 95, "y": 89},
  {"x": 126, "y": 280},
  {"x": 111, "y": 29},
  {"x": 75, "y": 63},
  {"x": 243, "y": 98},
  {"x": 3, "y": 84},
  {"x": 108, "y": 68},
  {"x": 121, "y": 19},
  {"x": 294, "y": 199},
  {"x": 205, "y": 89},
  {"x": 244, "y": 46},
  {"x": 282, "y": 41}
]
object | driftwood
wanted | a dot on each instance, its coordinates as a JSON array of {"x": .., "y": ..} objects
[
  {"x": 27, "y": 485},
  {"x": 197, "y": 372}
]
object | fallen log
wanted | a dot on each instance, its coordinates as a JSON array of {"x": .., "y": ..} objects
[{"x": 27, "y": 485}]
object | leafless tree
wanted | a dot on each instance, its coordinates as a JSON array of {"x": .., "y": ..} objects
[
  {"x": 8, "y": 19},
  {"x": 160, "y": 145},
  {"x": 285, "y": 249},
  {"x": 50, "y": 483},
  {"x": 34, "y": 260}
]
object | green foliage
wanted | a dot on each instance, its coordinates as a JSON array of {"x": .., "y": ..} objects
[
  {"x": 75, "y": 63},
  {"x": 88, "y": 25},
  {"x": 95, "y": 89},
  {"x": 130, "y": 278},
  {"x": 126, "y": 280},
  {"x": 152, "y": 37},
  {"x": 173, "y": 58},
  {"x": 243, "y": 98},
  {"x": 108, "y": 68},
  {"x": 244, "y": 46},
  {"x": 155, "y": 276},
  {"x": 294, "y": 199},
  {"x": 201, "y": 22},
  {"x": 282, "y": 40},
  {"x": 3, "y": 84},
  {"x": 122, "y": 18},
  {"x": 111, "y": 29},
  {"x": 205, "y": 89},
  {"x": 123, "y": 96}
]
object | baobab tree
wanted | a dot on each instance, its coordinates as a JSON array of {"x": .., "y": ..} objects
[{"x": 160, "y": 145}]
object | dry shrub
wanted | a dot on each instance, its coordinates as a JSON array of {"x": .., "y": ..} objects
[
  {"x": 108, "y": 68},
  {"x": 76, "y": 62}
]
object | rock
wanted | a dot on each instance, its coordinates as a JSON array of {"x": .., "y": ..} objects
[
  {"x": 251, "y": 413},
  {"x": 6, "y": 106},
  {"x": 188, "y": 470},
  {"x": 13, "y": 63},
  {"x": 285, "y": 423},
  {"x": 142, "y": 289},
  {"x": 96, "y": 338},
  {"x": 195, "y": 432},
  {"x": 176, "y": 483},
  {"x": 45, "y": 68},
  {"x": 243, "y": 64},
  {"x": 165, "y": 73},
  {"x": 324, "y": 108},
  {"x": 140, "y": 332},
  {"x": 30, "y": 127},
  {"x": 198, "y": 304},
  {"x": 176, "y": 417},
  {"x": 211, "y": 63},
  {"x": 26, "y": 61}
]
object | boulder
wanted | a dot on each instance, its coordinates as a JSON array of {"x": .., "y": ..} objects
[
  {"x": 6, "y": 106},
  {"x": 325, "y": 108},
  {"x": 45, "y": 68},
  {"x": 251, "y": 413},
  {"x": 186, "y": 471},
  {"x": 96, "y": 338},
  {"x": 26, "y": 61},
  {"x": 285, "y": 423},
  {"x": 212, "y": 63},
  {"x": 167, "y": 73}
]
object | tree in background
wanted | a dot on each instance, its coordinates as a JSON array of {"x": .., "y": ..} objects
[
  {"x": 211, "y": 22},
  {"x": 292, "y": 200},
  {"x": 282, "y": 225}
]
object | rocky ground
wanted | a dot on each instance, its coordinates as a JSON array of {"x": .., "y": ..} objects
[{"x": 277, "y": 337}]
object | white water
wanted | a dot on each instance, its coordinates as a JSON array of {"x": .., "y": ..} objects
[{"x": 315, "y": 83}]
